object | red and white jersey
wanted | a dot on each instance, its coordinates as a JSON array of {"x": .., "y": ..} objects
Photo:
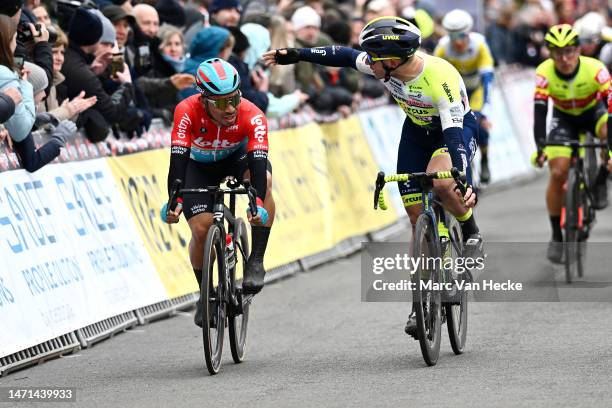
[{"x": 208, "y": 142}]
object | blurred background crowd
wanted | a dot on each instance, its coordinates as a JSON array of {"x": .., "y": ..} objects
[{"x": 111, "y": 66}]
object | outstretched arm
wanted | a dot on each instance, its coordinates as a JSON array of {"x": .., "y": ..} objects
[{"x": 332, "y": 56}]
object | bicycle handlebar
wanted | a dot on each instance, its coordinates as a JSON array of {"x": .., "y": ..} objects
[
  {"x": 381, "y": 179},
  {"x": 247, "y": 189}
]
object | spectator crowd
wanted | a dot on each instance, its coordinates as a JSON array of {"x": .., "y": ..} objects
[{"x": 108, "y": 67}]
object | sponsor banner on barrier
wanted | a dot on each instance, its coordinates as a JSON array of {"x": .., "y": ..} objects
[
  {"x": 323, "y": 188},
  {"x": 70, "y": 255},
  {"x": 382, "y": 128},
  {"x": 142, "y": 180}
]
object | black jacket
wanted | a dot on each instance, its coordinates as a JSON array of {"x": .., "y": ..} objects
[
  {"x": 79, "y": 77},
  {"x": 7, "y": 107},
  {"x": 42, "y": 54}
]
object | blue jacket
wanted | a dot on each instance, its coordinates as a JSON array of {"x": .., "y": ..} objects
[{"x": 20, "y": 124}]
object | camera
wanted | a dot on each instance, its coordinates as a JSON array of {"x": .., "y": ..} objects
[{"x": 24, "y": 33}]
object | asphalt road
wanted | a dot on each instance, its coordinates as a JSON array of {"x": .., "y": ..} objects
[{"x": 312, "y": 342}]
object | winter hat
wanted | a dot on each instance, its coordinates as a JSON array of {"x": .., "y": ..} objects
[
  {"x": 171, "y": 12},
  {"x": 206, "y": 44},
  {"x": 305, "y": 17},
  {"x": 37, "y": 77},
  {"x": 85, "y": 28},
  {"x": 224, "y": 4},
  {"x": 109, "y": 35},
  {"x": 116, "y": 13},
  {"x": 10, "y": 7}
]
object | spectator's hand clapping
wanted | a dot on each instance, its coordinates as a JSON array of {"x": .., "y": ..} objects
[
  {"x": 101, "y": 62},
  {"x": 182, "y": 81},
  {"x": 123, "y": 77},
  {"x": 14, "y": 94},
  {"x": 79, "y": 103},
  {"x": 41, "y": 36}
]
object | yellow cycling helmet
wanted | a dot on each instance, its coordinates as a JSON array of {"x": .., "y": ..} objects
[{"x": 561, "y": 35}]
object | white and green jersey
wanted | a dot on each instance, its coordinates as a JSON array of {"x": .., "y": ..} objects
[{"x": 435, "y": 98}]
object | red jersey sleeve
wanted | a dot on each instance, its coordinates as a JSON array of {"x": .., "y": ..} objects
[
  {"x": 182, "y": 126},
  {"x": 257, "y": 132}
]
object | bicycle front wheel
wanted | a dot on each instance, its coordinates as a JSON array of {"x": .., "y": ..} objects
[
  {"x": 213, "y": 306},
  {"x": 427, "y": 301},
  {"x": 571, "y": 228},
  {"x": 457, "y": 312},
  {"x": 238, "y": 323}
]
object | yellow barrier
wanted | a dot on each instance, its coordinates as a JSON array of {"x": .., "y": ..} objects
[
  {"x": 323, "y": 185},
  {"x": 142, "y": 178}
]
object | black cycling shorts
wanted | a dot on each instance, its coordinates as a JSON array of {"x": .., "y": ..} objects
[
  {"x": 199, "y": 175},
  {"x": 567, "y": 128}
]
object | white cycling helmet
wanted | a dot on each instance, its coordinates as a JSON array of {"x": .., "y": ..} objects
[
  {"x": 590, "y": 26},
  {"x": 458, "y": 21}
]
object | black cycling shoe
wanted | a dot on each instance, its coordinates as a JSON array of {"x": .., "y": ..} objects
[
  {"x": 600, "y": 196},
  {"x": 254, "y": 275},
  {"x": 472, "y": 246},
  {"x": 555, "y": 252},
  {"x": 411, "y": 327},
  {"x": 485, "y": 174},
  {"x": 197, "y": 318}
]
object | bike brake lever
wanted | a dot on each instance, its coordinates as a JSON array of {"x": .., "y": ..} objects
[
  {"x": 172, "y": 202},
  {"x": 380, "y": 184},
  {"x": 251, "y": 193}
]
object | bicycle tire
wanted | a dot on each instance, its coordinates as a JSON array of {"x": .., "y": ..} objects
[
  {"x": 581, "y": 251},
  {"x": 238, "y": 324},
  {"x": 427, "y": 303},
  {"x": 213, "y": 309},
  {"x": 571, "y": 206},
  {"x": 591, "y": 166},
  {"x": 457, "y": 314}
]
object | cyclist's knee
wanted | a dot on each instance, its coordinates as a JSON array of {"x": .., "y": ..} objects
[
  {"x": 199, "y": 226},
  {"x": 558, "y": 174}
]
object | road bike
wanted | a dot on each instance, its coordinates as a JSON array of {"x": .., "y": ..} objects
[
  {"x": 577, "y": 213},
  {"x": 437, "y": 238},
  {"x": 225, "y": 249}
]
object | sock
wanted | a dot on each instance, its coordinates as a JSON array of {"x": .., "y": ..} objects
[
  {"x": 468, "y": 224},
  {"x": 198, "y": 276},
  {"x": 259, "y": 238},
  {"x": 555, "y": 223},
  {"x": 602, "y": 176}
]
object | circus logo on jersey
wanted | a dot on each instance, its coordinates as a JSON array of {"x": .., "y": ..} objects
[{"x": 602, "y": 76}]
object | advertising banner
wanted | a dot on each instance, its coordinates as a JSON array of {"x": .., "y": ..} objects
[{"x": 70, "y": 255}]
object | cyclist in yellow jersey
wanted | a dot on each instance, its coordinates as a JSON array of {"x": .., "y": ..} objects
[
  {"x": 580, "y": 90},
  {"x": 439, "y": 130},
  {"x": 469, "y": 53}
]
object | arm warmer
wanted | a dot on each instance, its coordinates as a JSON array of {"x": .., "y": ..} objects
[
  {"x": 179, "y": 158},
  {"x": 258, "y": 164},
  {"x": 332, "y": 56},
  {"x": 453, "y": 137},
  {"x": 487, "y": 81},
  {"x": 539, "y": 122}
]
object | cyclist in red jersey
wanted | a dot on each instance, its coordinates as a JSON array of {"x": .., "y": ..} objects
[{"x": 217, "y": 134}]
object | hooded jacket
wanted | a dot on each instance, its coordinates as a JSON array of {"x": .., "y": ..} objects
[{"x": 21, "y": 122}]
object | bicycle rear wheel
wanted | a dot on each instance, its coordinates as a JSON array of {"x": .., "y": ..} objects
[
  {"x": 213, "y": 306},
  {"x": 427, "y": 301},
  {"x": 238, "y": 323},
  {"x": 457, "y": 313},
  {"x": 571, "y": 228}
]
